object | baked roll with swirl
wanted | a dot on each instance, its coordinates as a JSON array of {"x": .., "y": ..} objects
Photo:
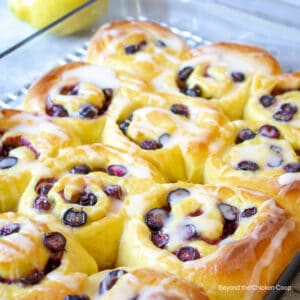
[
  {"x": 38, "y": 261},
  {"x": 77, "y": 95},
  {"x": 222, "y": 73},
  {"x": 256, "y": 157},
  {"x": 276, "y": 100},
  {"x": 85, "y": 192},
  {"x": 215, "y": 236},
  {"x": 142, "y": 284},
  {"x": 25, "y": 140},
  {"x": 175, "y": 133},
  {"x": 140, "y": 49}
]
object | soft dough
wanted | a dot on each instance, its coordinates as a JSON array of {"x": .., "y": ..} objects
[
  {"x": 85, "y": 190},
  {"x": 212, "y": 235},
  {"x": 256, "y": 156},
  {"x": 39, "y": 260}
]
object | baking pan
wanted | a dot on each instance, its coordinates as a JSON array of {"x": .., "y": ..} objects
[{"x": 198, "y": 22}]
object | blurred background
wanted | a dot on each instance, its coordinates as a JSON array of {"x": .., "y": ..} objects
[{"x": 34, "y": 39}]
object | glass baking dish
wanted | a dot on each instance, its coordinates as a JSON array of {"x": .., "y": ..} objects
[{"x": 277, "y": 30}]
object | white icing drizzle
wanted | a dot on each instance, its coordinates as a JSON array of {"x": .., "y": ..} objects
[
  {"x": 152, "y": 292},
  {"x": 143, "y": 56},
  {"x": 160, "y": 83},
  {"x": 196, "y": 133},
  {"x": 288, "y": 178},
  {"x": 72, "y": 281},
  {"x": 28, "y": 118},
  {"x": 100, "y": 76},
  {"x": 269, "y": 253},
  {"x": 231, "y": 61},
  {"x": 38, "y": 129}
]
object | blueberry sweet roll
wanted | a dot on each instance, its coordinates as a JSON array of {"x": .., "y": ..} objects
[
  {"x": 25, "y": 140},
  {"x": 77, "y": 95},
  {"x": 39, "y": 262},
  {"x": 137, "y": 48},
  {"x": 139, "y": 284},
  {"x": 215, "y": 236},
  {"x": 85, "y": 192},
  {"x": 222, "y": 73},
  {"x": 257, "y": 157},
  {"x": 276, "y": 100},
  {"x": 175, "y": 133}
]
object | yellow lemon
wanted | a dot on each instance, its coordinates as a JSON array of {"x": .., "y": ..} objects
[{"x": 40, "y": 13}]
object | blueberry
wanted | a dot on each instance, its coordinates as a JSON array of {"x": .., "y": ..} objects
[
  {"x": 292, "y": 167},
  {"x": 80, "y": 169},
  {"x": 238, "y": 76},
  {"x": 57, "y": 110},
  {"x": 33, "y": 278},
  {"x": 116, "y": 170},
  {"x": 184, "y": 73},
  {"x": 249, "y": 212},
  {"x": 44, "y": 185},
  {"x": 88, "y": 111},
  {"x": 87, "y": 199},
  {"x": 9, "y": 229},
  {"x": 113, "y": 191},
  {"x": 194, "y": 91},
  {"x": 229, "y": 212},
  {"x": 150, "y": 145},
  {"x": 289, "y": 108},
  {"x": 124, "y": 126},
  {"x": 77, "y": 297},
  {"x": 244, "y": 134},
  {"x": 54, "y": 241},
  {"x": 283, "y": 116},
  {"x": 229, "y": 228},
  {"x": 132, "y": 49},
  {"x": 267, "y": 100},
  {"x": 74, "y": 218},
  {"x": 42, "y": 203},
  {"x": 187, "y": 254},
  {"x": 159, "y": 239},
  {"x": 108, "y": 93},
  {"x": 110, "y": 280},
  {"x": 160, "y": 43},
  {"x": 155, "y": 218},
  {"x": 180, "y": 109},
  {"x": 269, "y": 131},
  {"x": 276, "y": 149},
  {"x": 247, "y": 165}
]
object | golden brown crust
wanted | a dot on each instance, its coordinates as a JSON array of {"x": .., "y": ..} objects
[
  {"x": 24, "y": 251},
  {"x": 28, "y": 138},
  {"x": 146, "y": 284},
  {"x": 100, "y": 40},
  {"x": 254, "y": 55},
  {"x": 285, "y": 88},
  {"x": 256, "y": 254},
  {"x": 256, "y": 260},
  {"x": 37, "y": 94},
  {"x": 75, "y": 96},
  {"x": 108, "y": 47},
  {"x": 221, "y": 167},
  {"x": 105, "y": 216},
  {"x": 191, "y": 137}
]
